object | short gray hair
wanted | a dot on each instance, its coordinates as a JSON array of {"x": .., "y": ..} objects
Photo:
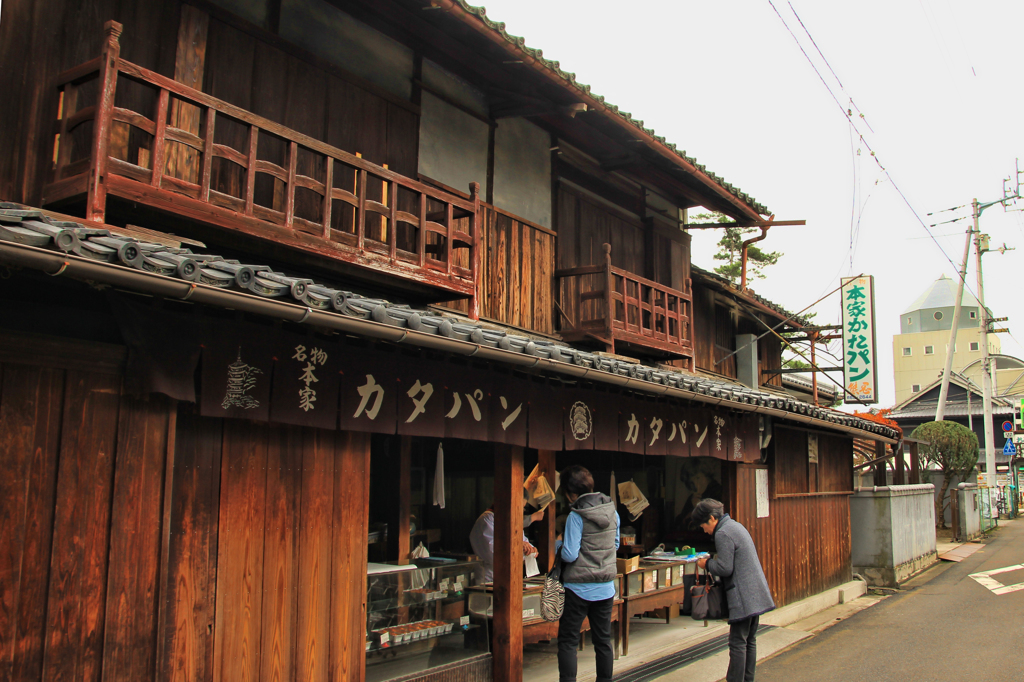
[{"x": 705, "y": 510}]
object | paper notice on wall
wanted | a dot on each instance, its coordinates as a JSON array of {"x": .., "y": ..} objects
[{"x": 761, "y": 492}]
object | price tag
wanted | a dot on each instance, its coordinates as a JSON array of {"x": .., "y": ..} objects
[
  {"x": 444, "y": 585},
  {"x": 527, "y": 613},
  {"x": 464, "y": 621},
  {"x": 385, "y": 638},
  {"x": 457, "y": 587}
]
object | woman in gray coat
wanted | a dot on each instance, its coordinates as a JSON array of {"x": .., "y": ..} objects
[{"x": 746, "y": 589}]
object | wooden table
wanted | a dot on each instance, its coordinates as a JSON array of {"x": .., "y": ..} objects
[
  {"x": 539, "y": 630},
  {"x": 648, "y": 601}
]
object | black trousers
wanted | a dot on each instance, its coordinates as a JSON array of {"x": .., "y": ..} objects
[
  {"x": 742, "y": 650},
  {"x": 600, "y": 614}
]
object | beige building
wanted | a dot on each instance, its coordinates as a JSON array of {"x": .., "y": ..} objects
[{"x": 919, "y": 350}]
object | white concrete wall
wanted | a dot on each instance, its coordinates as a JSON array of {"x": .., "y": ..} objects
[
  {"x": 913, "y": 521},
  {"x": 522, "y": 170},
  {"x": 970, "y": 510},
  {"x": 893, "y": 532},
  {"x": 453, "y": 145}
]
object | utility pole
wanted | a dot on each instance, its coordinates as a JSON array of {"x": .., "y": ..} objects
[
  {"x": 986, "y": 370},
  {"x": 940, "y": 410}
]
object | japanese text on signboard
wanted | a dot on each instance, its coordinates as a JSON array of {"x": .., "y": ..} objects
[{"x": 859, "y": 366}]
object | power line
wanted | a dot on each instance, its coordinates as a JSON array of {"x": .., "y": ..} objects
[
  {"x": 824, "y": 59},
  {"x": 848, "y": 115}
]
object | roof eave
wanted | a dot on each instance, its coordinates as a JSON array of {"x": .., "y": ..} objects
[{"x": 515, "y": 47}]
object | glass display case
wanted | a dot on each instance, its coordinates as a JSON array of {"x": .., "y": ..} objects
[{"x": 417, "y": 618}]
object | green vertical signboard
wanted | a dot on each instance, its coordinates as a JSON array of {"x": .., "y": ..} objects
[{"x": 860, "y": 371}]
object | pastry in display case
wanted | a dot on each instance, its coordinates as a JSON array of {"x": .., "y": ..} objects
[{"x": 417, "y": 618}]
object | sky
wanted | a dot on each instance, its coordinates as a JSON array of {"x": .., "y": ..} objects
[{"x": 935, "y": 80}]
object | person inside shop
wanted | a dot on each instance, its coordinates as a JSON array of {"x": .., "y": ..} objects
[
  {"x": 746, "y": 588},
  {"x": 587, "y": 549},
  {"x": 482, "y": 540}
]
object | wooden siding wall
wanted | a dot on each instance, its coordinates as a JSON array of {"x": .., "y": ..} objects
[
  {"x": 714, "y": 337},
  {"x": 769, "y": 357},
  {"x": 517, "y": 267},
  {"x": 253, "y": 74},
  {"x": 143, "y": 542},
  {"x": 714, "y": 333},
  {"x": 584, "y": 226},
  {"x": 41, "y": 38},
  {"x": 804, "y": 543},
  {"x": 242, "y": 67}
]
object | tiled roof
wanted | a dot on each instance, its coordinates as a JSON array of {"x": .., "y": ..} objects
[
  {"x": 569, "y": 79},
  {"x": 70, "y": 239},
  {"x": 749, "y": 294},
  {"x": 825, "y": 389}
]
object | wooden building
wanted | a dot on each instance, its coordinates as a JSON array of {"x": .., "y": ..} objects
[{"x": 196, "y": 451}]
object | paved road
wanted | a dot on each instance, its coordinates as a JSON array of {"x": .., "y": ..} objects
[{"x": 943, "y": 626}]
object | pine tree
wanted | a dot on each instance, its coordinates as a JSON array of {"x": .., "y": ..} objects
[{"x": 730, "y": 250}]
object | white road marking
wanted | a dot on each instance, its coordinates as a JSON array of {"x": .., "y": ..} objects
[{"x": 985, "y": 579}]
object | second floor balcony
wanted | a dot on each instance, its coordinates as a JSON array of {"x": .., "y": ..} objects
[
  {"x": 607, "y": 306},
  {"x": 208, "y": 161}
]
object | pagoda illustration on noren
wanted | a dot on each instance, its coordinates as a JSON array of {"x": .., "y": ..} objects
[{"x": 241, "y": 380}]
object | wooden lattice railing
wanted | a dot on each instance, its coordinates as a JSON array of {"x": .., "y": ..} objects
[
  {"x": 607, "y": 304},
  {"x": 313, "y": 197}
]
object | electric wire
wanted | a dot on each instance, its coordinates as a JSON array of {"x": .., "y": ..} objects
[{"x": 874, "y": 155}]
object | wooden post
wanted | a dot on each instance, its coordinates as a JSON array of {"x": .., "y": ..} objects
[
  {"x": 398, "y": 515},
  {"x": 879, "y": 467},
  {"x": 159, "y": 140},
  {"x": 289, "y": 189},
  {"x": 915, "y": 465},
  {"x": 609, "y": 285},
  {"x": 546, "y": 532},
  {"x": 250, "y": 169},
  {"x": 348, "y": 564},
  {"x": 508, "y": 563},
  {"x": 189, "y": 67},
  {"x": 328, "y": 198},
  {"x": 96, "y": 202},
  {"x": 474, "y": 248},
  {"x": 899, "y": 477}
]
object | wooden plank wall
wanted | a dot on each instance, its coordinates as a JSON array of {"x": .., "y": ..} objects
[
  {"x": 584, "y": 226},
  {"x": 144, "y": 542},
  {"x": 769, "y": 357},
  {"x": 804, "y": 544},
  {"x": 238, "y": 67},
  {"x": 81, "y": 515},
  {"x": 30, "y": 102},
  {"x": 517, "y": 269}
]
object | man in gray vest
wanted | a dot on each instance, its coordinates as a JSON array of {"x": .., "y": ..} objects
[
  {"x": 588, "y": 573},
  {"x": 746, "y": 589}
]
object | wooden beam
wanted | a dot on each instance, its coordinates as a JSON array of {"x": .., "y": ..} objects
[
  {"x": 899, "y": 477},
  {"x": 189, "y": 67},
  {"x": 508, "y": 563},
  {"x": 546, "y": 528},
  {"x": 744, "y": 223},
  {"x": 348, "y": 564},
  {"x": 398, "y": 514},
  {"x": 879, "y": 466}
]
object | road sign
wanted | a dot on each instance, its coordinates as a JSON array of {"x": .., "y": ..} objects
[
  {"x": 1009, "y": 449},
  {"x": 1007, "y": 426}
]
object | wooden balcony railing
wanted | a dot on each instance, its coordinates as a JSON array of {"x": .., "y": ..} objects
[
  {"x": 207, "y": 160},
  {"x": 609, "y": 305}
]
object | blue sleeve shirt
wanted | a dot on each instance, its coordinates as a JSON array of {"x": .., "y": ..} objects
[{"x": 569, "y": 547}]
